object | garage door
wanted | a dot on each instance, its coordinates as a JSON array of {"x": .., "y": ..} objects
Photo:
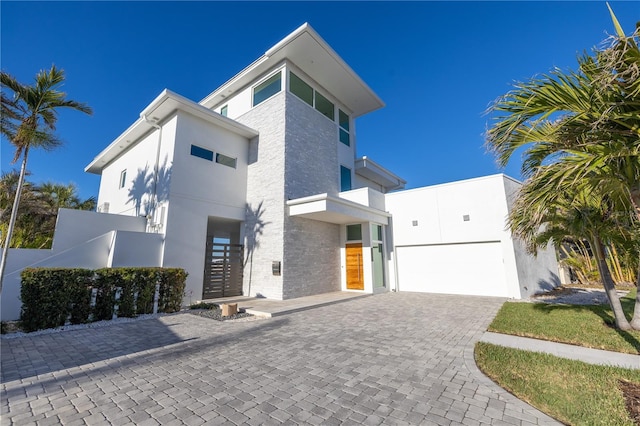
[{"x": 474, "y": 269}]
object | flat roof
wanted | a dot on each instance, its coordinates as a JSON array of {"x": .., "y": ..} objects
[{"x": 308, "y": 51}]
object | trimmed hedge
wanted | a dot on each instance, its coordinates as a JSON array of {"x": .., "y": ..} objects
[{"x": 52, "y": 296}]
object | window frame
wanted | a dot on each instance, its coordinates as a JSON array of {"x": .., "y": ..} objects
[
  {"x": 123, "y": 179},
  {"x": 201, "y": 152},
  {"x": 277, "y": 76},
  {"x": 342, "y": 175},
  {"x": 226, "y": 157}
]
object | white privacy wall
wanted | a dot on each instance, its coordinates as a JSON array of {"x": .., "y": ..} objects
[
  {"x": 442, "y": 252},
  {"x": 82, "y": 239}
]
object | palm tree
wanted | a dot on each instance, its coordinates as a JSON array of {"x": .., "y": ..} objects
[
  {"x": 586, "y": 124},
  {"x": 31, "y": 122},
  {"x": 583, "y": 215}
]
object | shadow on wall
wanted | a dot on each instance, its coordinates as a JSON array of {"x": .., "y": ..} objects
[
  {"x": 548, "y": 285},
  {"x": 254, "y": 227},
  {"x": 145, "y": 184}
]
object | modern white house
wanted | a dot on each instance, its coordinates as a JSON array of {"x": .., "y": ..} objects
[{"x": 257, "y": 190}]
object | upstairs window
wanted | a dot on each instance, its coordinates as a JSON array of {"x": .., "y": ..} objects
[
  {"x": 325, "y": 107},
  {"x": 224, "y": 110},
  {"x": 343, "y": 121},
  {"x": 123, "y": 179},
  {"x": 301, "y": 89},
  {"x": 267, "y": 88},
  {"x": 345, "y": 178},
  {"x": 225, "y": 161},
  {"x": 200, "y": 152}
]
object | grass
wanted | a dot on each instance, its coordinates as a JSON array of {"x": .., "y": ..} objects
[
  {"x": 584, "y": 325},
  {"x": 571, "y": 391}
]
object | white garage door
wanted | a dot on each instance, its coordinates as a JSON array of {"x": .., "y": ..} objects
[{"x": 474, "y": 269}]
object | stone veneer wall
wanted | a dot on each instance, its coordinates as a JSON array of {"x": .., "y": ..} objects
[
  {"x": 265, "y": 197},
  {"x": 311, "y": 248}
]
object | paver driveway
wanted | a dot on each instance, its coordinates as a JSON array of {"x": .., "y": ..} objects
[{"x": 397, "y": 358}]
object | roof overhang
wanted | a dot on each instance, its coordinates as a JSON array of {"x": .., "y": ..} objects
[
  {"x": 376, "y": 173},
  {"x": 325, "y": 208},
  {"x": 162, "y": 107},
  {"x": 309, "y": 52}
]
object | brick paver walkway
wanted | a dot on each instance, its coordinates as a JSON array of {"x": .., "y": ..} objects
[{"x": 398, "y": 358}]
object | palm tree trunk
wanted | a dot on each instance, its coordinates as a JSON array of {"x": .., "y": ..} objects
[
  {"x": 614, "y": 301},
  {"x": 635, "y": 321},
  {"x": 14, "y": 215}
]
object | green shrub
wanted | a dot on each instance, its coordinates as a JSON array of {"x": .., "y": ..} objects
[
  {"x": 172, "y": 284},
  {"x": 52, "y": 296}
]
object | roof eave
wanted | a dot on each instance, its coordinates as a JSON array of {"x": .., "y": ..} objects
[{"x": 158, "y": 110}]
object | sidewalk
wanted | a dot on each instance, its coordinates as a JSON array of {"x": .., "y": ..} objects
[
  {"x": 268, "y": 308},
  {"x": 563, "y": 350}
]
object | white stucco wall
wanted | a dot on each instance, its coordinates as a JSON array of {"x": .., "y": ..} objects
[
  {"x": 75, "y": 227},
  {"x": 92, "y": 254},
  {"x": 139, "y": 161},
  {"x": 537, "y": 273},
  {"x": 440, "y": 212},
  {"x": 136, "y": 249},
  {"x": 199, "y": 189},
  {"x": 442, "y": 233}
]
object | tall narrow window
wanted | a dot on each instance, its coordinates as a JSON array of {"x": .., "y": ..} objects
[
  {"x": 224, "y": 110},
  {"x": 301, "y": 89},
  {"x": 343, "y": 121},
  {"x": 266, "y": 89},
  {"x": 123, "y": 178},
  {"x": 345, "y": 178},
  {"x": 325, "y": 106}
]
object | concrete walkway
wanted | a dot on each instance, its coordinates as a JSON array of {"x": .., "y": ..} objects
[
  {"x": 395, "y": 358},
  {"x": 588, "y": 355},
  {"x": 268, "y": 308}
]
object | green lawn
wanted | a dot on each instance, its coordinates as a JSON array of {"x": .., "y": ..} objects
[
  {"x": 586, "y": 325},
  {"x": 570, "y": 391}
]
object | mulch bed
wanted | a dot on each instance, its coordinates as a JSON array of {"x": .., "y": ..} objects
[{"x": 631, "y": 392}]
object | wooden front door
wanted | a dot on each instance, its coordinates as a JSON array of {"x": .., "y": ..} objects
[{"x": 355, "y": 272}]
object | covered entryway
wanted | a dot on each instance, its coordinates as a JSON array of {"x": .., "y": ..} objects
[
  {"x": 224, "y": 260},
  {"x": 469, "y": 268}
]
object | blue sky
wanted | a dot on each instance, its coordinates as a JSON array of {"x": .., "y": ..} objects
[{"x": 436, "y": 65}]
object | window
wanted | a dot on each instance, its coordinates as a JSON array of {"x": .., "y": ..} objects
[
  {"x": 203, "y": 153},
  {"x": 325, "y": 106},
  {"x": 301, "y": 89},
  {"x": 343, "y": 121},
  {"x": 226, "y": 161},
  {"x": 266, "y": 89},
  {"x": 123, "y": 178},
  {"x": 345, "y": 178},
  {"x": 224, "y": 110},
  {"x": 376, "y": 232},
  {"x": 354, "y": 232}
]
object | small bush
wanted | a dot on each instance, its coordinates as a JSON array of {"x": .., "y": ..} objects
[{"x": 204, "y": 305}]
